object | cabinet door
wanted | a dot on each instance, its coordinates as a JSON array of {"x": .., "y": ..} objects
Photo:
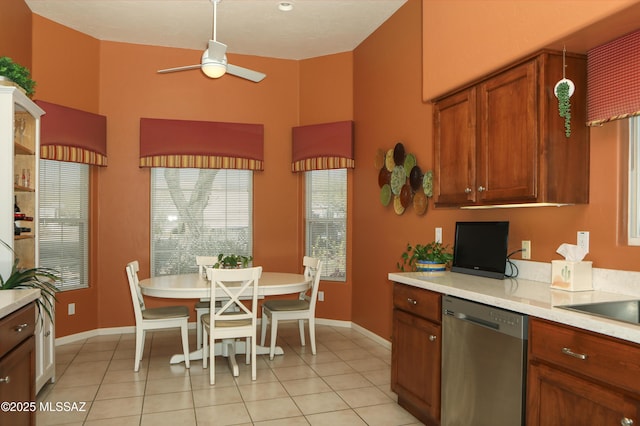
[
  {"x": 507, "y": 146},
  {"x": 556, "y": 398},
  {"x": 455, "y": 148},
  {"x": 18, "y": 383},
  {"x": 415, "y": 369}
]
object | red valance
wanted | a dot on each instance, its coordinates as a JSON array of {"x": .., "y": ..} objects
[
  {"x": 613, "y": 80},
  {"x": 323, "y": 146},
  {"x": 68, "y": 134},
  {"x": 201, "y": 144}
]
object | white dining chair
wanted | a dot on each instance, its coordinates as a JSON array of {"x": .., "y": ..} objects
[
  {"x": 234, "y": 319},
  {"x": 155, "y": 318},
  {"x": 302, "y": 309},
  {"x": 202, "y": 306}
]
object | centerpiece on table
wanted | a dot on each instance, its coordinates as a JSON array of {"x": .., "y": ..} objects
[
  {"x": 431, "y": 257},
  {"x": 232, "y": 261}
]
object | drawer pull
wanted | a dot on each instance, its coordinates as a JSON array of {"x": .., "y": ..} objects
[
  {"x": 467, "y": 190},
  {"x": 5, "y": 379},
  {"x": 626, "y": 422},
  {"x": 432, "y": 337},
  {"x": 569, "y": 352},
  {"x": 412, "y": 301},
  {"x": 47, "y": 334},
  {"x": 19, "y": 328}
]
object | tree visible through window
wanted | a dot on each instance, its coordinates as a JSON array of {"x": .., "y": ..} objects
[
  {"x": 326, "y": 221},
  {"x": 198, "y": 212}
]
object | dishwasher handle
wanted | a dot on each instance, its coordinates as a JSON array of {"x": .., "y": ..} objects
[{"x": 479, "y": 321}]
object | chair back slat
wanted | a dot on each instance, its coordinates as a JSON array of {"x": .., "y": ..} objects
[
  {"x": 205, "y": 262},
  {"x": 312, "y": 270},
  {"x": 134, "y": 287},
  {"x": 235, "y": 284}
]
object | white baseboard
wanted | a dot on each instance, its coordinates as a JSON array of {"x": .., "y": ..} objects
[{"x": 192, "y": 325}]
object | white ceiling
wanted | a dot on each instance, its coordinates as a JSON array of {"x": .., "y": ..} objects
[{"x": 251, "y": 27}]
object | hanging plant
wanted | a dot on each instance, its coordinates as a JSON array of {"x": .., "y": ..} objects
[{"x": 564, "y": 105}]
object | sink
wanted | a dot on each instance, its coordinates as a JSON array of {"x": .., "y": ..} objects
[{"x": 622, "y": 310}]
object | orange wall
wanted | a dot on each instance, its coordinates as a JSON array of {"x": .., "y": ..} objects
[
  {"x": 463, "y": 40},
  {"x": 326, "y": 95},
  {"x": 119, "y": 81},
  {"x": 15, "y": 32}
]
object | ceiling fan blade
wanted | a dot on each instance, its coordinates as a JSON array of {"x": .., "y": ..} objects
[
  {"x": 245, "y": 73},
  {"x": 185, "y": 68},
  {"x": 216, "y": 50}
]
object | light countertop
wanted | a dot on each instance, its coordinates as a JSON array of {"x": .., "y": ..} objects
[
  {"x": 533, "y": 298},
  {"x": 12, "y": 300}
]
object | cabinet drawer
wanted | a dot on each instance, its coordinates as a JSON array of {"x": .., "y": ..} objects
[
  {"x": 16, "y": 327},
  {"x": 417, "y": 301},
  {"x": 609, "y": 360}
]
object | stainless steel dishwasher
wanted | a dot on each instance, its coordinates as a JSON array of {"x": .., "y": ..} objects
[{"x": 484, "y": 351}]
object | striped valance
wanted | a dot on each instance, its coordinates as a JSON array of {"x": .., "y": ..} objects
[
  {"x": 323, "y": 146},
  {"x": 201, "y": 144},
  {"x": 68, "y": 134},
  {"x": 613, "y": 82}
]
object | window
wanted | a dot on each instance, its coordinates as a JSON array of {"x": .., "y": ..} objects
[
  {"x": 64, "y": 221},
  {"x": 199, "y": 212},
  {"x": 633, "y": 236},
  {"x": 326, "y": 221}
]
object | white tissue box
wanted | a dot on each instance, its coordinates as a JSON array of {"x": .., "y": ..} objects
[{"x": 571, "y": 276}]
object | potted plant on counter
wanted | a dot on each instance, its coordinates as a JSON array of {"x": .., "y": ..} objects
[{"x": 431, "y": 257}]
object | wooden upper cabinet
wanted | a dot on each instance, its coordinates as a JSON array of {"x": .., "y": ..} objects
[
  {"x": 455, "y": 148},
  {"x": 500, "y": 140}
]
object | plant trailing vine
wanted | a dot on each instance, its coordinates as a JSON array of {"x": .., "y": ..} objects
[{"x": 564, "y": 106}]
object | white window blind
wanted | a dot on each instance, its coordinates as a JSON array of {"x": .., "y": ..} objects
[
  {"x": 64, "y": 221},
  {"x": 199, "y": 212},
  {"x": 633, "y": 236},
  {"x": 326, "y": 221}
]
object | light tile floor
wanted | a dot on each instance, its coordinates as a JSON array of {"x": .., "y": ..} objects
[{"x": 346, "y": 383}]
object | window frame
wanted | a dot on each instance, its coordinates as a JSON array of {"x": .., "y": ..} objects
[
  {"x": 83, "y": 221},
  {"x": 228, "y": 175},
  {"x": 309, "y": 222},
  {"x": 633, "y": 183}
]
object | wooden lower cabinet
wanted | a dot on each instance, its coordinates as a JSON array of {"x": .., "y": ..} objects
[
  {"x": 17, "y": 368},
  {"x": 416, "y": 353},
  {"x": 557, "y": 398},
  {"x": 581, "y": 378}
]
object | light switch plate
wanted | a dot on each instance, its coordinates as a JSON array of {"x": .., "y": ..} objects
[
  {"x": 583, "y": 240},
  {"x": 438, "y": 235}
]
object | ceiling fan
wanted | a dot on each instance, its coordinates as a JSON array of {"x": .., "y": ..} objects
[{"x": 214, "y": 60}]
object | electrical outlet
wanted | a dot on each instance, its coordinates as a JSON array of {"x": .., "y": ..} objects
[
  {"x": 526, "y": 249},
  {"x": 71, "y": 309},
  {"x": 583, "y": 240},
  {"x": 438, "y": 235},
  {"x": 321, "y": 296}
]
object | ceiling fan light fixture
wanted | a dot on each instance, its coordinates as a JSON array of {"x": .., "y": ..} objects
[{"x": 214, "y": 70}]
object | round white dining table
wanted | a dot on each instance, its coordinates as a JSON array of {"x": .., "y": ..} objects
[{"x": 194, "y": 286}]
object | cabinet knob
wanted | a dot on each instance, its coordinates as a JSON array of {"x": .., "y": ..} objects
[
  {"x": 467, "y": 190},
  {"x": 412, "y": 301},
  {"x": 626, "y": 421},
  {"x": 19, "y": 328},
  {"x": 481, "y": 188},
  {"x": 7, "y": 379},
  {"x": 432, "y": 337},
  {"x": 47, "y": 334}
]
